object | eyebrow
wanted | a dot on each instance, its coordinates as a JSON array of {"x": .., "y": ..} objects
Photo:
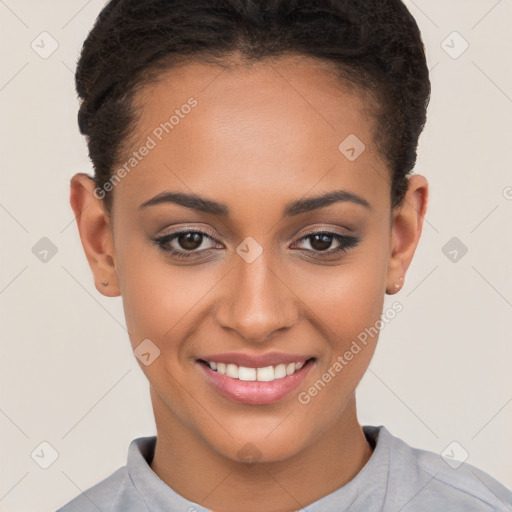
[{"x": 293, "y": 208}]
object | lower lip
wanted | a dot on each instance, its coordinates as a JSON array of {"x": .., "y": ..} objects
[{"x": 255, "y": 392}]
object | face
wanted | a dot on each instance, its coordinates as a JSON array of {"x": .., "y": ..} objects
[{"x": 247, "y": 237}]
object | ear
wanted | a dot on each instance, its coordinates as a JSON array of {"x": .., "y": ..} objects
[
  {"x": 406, "y": 231},
  {"x": 94, "y": 227}
]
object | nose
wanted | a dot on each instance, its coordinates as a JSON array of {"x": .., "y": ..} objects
[{"x": 256, "y": 301}]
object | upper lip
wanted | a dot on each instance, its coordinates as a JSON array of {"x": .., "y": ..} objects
[{"x": 256, "y": 361}]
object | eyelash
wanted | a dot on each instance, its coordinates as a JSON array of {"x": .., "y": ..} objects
[{"x": 346, "y": 242}]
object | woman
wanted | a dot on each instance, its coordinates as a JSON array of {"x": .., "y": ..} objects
[{"x": 252, "y": 203}]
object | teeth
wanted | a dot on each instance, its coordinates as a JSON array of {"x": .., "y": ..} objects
[
  {"x": 280, "y": 371},
  {"x": 265, "y": 374},
  {"x": 232, "y": 371},
  {"x": 246, "y": 373}
]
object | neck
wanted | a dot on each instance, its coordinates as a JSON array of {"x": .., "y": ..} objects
[{"x": 195, "y": 471}]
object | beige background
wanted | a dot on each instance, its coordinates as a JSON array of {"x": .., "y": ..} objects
[{"x": 443, "y": 369}]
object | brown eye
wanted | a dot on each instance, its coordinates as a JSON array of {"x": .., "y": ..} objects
[
  {"x": 186, "y": 244},
  {"x": 190, "y": 241},
  {"x": 320, "y": 243}
]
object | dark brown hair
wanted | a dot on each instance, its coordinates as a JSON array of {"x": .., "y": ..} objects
[{"x": 374, "y": 44}]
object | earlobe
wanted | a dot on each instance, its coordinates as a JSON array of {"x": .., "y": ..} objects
[
  {"x": 94, "y": 229},
  {"x": 406, "y": 231}
]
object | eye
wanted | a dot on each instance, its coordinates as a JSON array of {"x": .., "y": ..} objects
[
  {"x": 191, "y": 243},
  {"x": 319, "y": 242},
  {"x": 186, "y": 244}
]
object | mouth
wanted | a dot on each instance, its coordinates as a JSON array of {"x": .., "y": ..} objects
[
  {"x": 255, "y": 384},
  {"x": 261, "y": 374}
]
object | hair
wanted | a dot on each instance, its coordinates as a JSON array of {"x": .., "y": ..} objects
[{"x": 375, "y": 45}]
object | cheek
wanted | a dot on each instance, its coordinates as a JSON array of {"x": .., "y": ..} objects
[
  {"x": 161, "y": 303},
  {"x": 158, "y": 297},
  {"x": 158, "y": 302},
  {"x": 346, "y": 299},
  {"x": 347, "y": 305}
]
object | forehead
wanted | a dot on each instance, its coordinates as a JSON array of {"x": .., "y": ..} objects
[{"x": 273, "y": 128}]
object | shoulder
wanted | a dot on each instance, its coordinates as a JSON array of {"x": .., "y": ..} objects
[
  {"x": 464, "y": 483},
  {"x": 422, "y": 481},
  {"x": 117, "y": 492},
  {"x": 101, "y": 496}
]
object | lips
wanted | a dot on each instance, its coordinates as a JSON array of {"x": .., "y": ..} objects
[{"x": 255, "y": 380}]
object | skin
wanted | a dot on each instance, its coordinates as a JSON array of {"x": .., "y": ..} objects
[{"x": 260, "y": 137}]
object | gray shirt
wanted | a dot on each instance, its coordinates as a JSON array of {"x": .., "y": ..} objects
[{"x": 396, "y": 478}]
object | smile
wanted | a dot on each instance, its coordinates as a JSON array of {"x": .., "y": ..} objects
[
  {"x": 264, "y": 374},
  {"x": 255, "y": 385}
]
